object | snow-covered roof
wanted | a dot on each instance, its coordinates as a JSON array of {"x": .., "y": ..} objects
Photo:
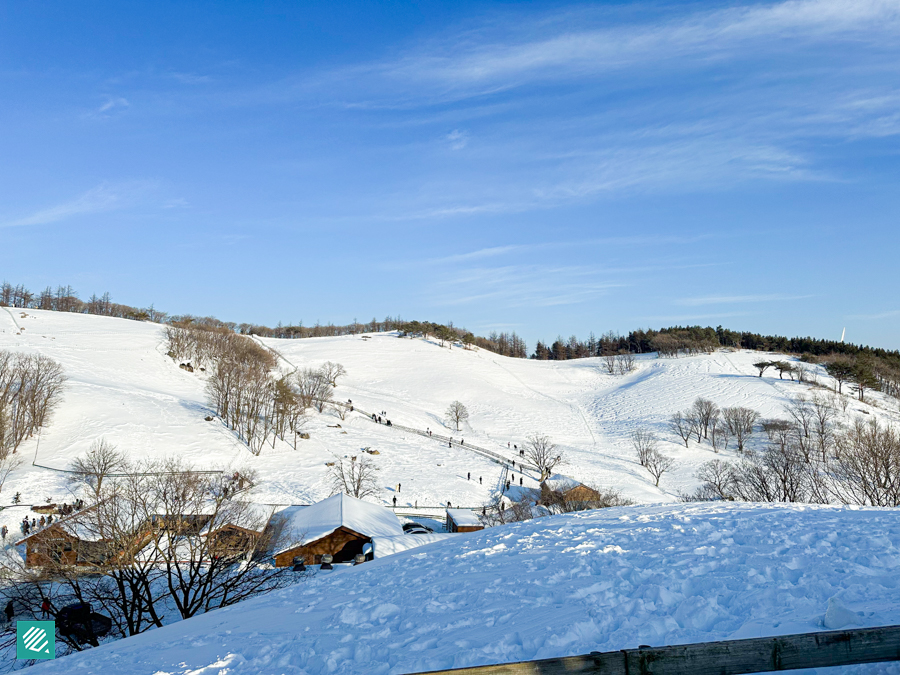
[
  {"x": 75, "y": 524},
  {"x": 246, "y": 515},
  {"x": 384, "y": 546},
  {"x": 560, "y": 483},
  {"x": 299, "y": 526},
  {"x": 464, "y": 517}
]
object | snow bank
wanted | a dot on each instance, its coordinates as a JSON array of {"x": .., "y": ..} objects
[
  {"x": 385, "y": 546},
  {"x": 601, "y": 580}
]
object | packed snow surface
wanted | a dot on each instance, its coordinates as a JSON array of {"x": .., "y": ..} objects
[{"x": 599, "y": 580}]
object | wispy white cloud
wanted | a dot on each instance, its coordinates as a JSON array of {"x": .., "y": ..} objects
[
  {"x": 737, "y": 299},
  {"x": 889, "y": 314},
  {"x": 627, "y": 241},
  {"x": 458, "y": 139},
  {"x": 478, "y": 68},
  {"x": 105, "y": 197},
  {"x": 522, "y": 286},
  {"x": 108, "y": 108}
]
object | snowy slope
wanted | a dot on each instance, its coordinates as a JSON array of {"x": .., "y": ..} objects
[
  {"x": 123, "y": 387},
  {"x": 600, "y": 580}
]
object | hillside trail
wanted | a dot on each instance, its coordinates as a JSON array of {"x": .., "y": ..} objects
[
  {"x": 484, "y": 452},
  {"x": 12, "y": 316}
]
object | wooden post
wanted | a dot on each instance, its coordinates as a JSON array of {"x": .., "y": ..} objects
[{"x": 728, "y": 657}]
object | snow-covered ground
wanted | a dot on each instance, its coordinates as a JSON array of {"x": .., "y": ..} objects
[
  {"x": 600, "y": 580},
  {"x": 122, "y": 387}
]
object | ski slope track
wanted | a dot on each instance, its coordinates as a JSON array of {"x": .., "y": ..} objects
[
  {"x": 122, "y": 387},
  {"x": 600, "y": 580}
]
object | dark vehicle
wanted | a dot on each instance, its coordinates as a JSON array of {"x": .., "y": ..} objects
[
  {"x": 77, "y": 621},
  {"x": 416, "y": 528}
]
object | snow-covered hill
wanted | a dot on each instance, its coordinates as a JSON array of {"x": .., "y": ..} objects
[
  {"x": 123, "y": 387},
  {"x": 599, "y": 580}
]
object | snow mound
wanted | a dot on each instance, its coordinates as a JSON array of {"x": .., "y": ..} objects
[{"x": 600, "y": 580}]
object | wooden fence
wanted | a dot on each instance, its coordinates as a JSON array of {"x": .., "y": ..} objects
[{"x": 729, "y": 657}]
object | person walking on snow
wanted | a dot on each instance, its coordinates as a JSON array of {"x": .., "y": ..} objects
[
  {"x": 45, "y": 609},
  {"x": 395, "y": 501},
  {"x": 469, "y": 476},
  {"x": 10, "y": 611},
  {"x": 398, "y": 487},
  {"x": 479, "y": 480}
]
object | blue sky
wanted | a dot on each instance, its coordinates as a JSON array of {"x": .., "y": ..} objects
[{"x": 545, "y": 167}]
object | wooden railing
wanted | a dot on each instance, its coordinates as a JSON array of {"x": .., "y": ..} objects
[{"x": 728, "y": 657}]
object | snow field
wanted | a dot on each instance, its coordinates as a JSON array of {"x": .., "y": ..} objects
[
  {"x": 123, "y": 387},
  {"x": 600, "y": 580}
]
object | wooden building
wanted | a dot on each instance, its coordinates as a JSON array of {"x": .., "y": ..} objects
[
  {"x": 559, "y": 489},
  {"x": 462, "y": 520},
  {"x": 339, "y": 526},
  {"x": 66, "y": 541}
]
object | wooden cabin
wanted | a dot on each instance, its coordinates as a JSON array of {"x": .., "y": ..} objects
[
  {"x": 339, "y": 526},
  {"x": 66, "y": 541},
  {"x": 462, "y": 520},
  {"x": 564, "y": 489}
]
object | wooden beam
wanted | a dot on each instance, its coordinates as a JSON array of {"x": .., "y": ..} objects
[{"x": 728, "y": 657}]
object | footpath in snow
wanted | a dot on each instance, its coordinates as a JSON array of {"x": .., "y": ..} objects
[{"x": 599, "y": 580}]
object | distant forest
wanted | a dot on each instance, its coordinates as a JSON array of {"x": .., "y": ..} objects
[
  {"x": 697, "y": 339},
  {"x": 667, "y": 342},
  {"x": 65, "y": 299}
]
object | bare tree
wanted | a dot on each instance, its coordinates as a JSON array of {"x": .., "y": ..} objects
[
  {"x": 683, "y": 426},
  {"x": 584, "y": 498},
  {"x": 645, "y": 444},
  {"x": 866, "y": 468},
  {"x": 357, "y": 478},
  {"x": 717, "y": 479},
  {"x": 840, "y": 401},
  {"x": 543, "y": 453},
  {"x": 802, "y": 415},
  {"x": 779, "y": 432},
  {"x": 609, "y": 360},
  {"x": 740, "y": 423},
  {"x": 823, "y": 422},
  {"x": 8, "y": 464},
  {"x": 624, "y": 362},
  {"x": 706, "y": 413},
  {"x": 313, "y": 388},
  {"x": 778, "y": 474},
  {"x": 332, "y": 371},
  {"x": 657, "y": 464},
  {"x": 457, "y": 414},
  {"x": 101, "y": 460},
  {"x": 718, "y": 435},
  {"x": 30, "y": 389}
]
